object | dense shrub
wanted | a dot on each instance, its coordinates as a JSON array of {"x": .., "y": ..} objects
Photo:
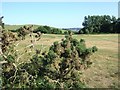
[{"x": 59, "y": 68}]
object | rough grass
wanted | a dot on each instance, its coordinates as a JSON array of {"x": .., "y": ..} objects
[{"x": 103, "y": 73}]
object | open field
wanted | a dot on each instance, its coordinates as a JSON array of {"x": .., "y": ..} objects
[{"x": 103, "y": 73}]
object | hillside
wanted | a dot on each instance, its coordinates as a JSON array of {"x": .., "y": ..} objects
[{"x": 13, "y": 27}]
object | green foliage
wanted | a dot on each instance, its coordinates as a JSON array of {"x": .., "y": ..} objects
[
  {"x": 94, "y": 49},
  {"x": 64, "y": 43},
  {"x": 41, "y": 29},
  {"x": 99, "y": 24},
  {"x": 86, "y": 31},
  {"x": 81, "y": 31},
  {"x": 75, "y": 42},
  {"x": 10, "y": 58},
  {"x": 51, "y": 55},
  {"x": 48, "y": 30},
  {"x": 23, "y": 31},
  {"x": 66, "y": 32}
]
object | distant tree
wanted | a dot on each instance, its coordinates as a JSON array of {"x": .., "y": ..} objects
[
  {"x": 66, "y": 32},
  {"x": 48, "y": 30},
  {"x": 86, "y": 31},
  {"x": 116, "y": 25},
  {"x": 47, "y": 27},
  {"x": 42, "y": 29},
  {"x": 99, "y": 24}
]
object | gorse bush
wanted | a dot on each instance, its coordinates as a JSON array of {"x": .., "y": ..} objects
[{"x": 59, "y": 68}]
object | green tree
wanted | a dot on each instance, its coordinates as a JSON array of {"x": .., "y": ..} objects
[{"x": 98, "y": 24}]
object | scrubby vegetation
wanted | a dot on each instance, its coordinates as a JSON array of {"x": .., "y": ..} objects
[{"x": 60, "y": 67}]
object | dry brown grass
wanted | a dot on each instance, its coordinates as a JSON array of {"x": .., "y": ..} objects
[{"x": 103, "y": 73}]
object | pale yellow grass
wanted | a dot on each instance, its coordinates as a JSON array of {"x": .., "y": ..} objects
[{"x": 103, "y": 73}]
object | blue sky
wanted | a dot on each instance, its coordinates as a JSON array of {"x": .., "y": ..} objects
[{"x": 56, "y": 14}]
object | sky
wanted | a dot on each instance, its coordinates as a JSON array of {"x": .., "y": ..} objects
[{"x": 55, "y": 14}]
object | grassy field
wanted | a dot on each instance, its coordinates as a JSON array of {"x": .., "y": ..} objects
[{"x": 103, "y": 73}]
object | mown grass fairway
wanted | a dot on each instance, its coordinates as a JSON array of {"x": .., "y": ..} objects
[{"x": 103, "y": 73}]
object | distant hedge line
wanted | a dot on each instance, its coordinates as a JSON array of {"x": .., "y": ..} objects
[{"x": 46, "y": 30}]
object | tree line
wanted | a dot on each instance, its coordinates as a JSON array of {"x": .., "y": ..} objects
[
  {"x": 91, "y": 25},
  {"x": 45, "y": 29},
  {"x": 100, "y": 24},
  {"x": 48, "y": 30}
]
